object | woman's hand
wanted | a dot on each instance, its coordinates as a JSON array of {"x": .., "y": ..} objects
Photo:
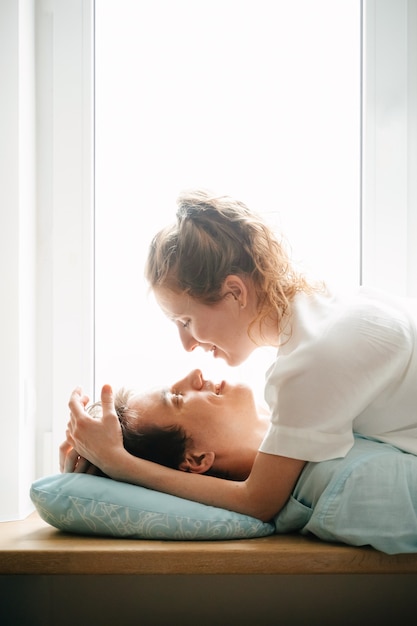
[{"x": 91, "y": 440}]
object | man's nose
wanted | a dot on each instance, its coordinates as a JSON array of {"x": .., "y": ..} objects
[{"x": 194, "y": 380}]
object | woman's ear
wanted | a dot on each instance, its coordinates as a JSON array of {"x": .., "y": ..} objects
[
  {"x": 197, "y": 462},
  {"x": 234, "y": 285}
]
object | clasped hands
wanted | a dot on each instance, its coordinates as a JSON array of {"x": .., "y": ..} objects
[{"x": 90, "y": 441}]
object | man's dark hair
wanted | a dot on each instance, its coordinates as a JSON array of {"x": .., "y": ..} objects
[{"x": 166, "y": 446}]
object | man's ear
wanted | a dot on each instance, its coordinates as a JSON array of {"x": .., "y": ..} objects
[
  {"x": 234, "y": 285},
  {"x": 197, "y": 462}
]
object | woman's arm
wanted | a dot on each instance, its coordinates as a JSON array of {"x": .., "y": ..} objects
[{"x": 261, "y": 495}]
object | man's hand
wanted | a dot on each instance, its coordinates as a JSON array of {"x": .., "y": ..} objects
[{"x": 90, "y": 441}]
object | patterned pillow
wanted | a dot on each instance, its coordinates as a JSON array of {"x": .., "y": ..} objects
[{"x": 93, "y": 505}]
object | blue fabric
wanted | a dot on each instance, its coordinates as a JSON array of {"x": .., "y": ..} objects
[{"x": 368, "y": 497}]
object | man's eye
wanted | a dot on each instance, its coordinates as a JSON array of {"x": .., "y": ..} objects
[{"x": 177, "y": 397}]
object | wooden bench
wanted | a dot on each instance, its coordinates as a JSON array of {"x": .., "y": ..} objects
[
  {"x": 33, "y": 547},
  {"x": 296, "y": 579}
]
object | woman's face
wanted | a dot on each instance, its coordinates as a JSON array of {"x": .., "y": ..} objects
[
  {"x": 221, "y": 328},
  {"x": 220, "y": 417}
]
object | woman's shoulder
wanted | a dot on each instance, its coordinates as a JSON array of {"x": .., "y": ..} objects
[
  {"x": 331, "y": 316},
  {"x": 377, "y": 311},
  {"x": 362, "y": 301}
]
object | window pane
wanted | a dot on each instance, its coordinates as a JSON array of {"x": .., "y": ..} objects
[{"x": 259, "y": 99}]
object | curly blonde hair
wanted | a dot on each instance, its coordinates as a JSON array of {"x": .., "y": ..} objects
[{"x": 215, "y": 236}]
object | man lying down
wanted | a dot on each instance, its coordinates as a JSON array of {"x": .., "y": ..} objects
[{"x": 368, "y": 497}]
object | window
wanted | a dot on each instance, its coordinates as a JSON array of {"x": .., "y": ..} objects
[{"x": 256, "y": 99}]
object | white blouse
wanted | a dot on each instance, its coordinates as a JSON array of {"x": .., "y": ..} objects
[{"x": 344, "y": 365}]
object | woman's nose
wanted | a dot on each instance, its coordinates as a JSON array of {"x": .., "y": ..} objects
[{"x": 188, "y": 342}]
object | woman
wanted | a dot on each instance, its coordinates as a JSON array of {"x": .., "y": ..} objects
[{"x": 344, "y": 364}]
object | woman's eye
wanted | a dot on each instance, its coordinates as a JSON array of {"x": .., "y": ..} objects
[{"x": 182, "y": 324}]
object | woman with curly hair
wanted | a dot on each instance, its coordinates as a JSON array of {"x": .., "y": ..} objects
[{"x": 345, "y": 364}]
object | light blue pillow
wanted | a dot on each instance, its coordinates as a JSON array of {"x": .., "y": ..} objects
[{"x": 93, "y": 505}]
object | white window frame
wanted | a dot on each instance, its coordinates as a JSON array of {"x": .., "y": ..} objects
[
  {"x": 389, "y": 164},
  {"x": 48, "y": 219},
  {"x": 65, "y": 214}
]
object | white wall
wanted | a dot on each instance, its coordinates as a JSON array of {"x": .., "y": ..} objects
[
  {"x": 17, "y": 254},
  {"x": 46, "y": 227}
]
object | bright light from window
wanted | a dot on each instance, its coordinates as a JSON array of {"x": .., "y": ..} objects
[{"x": 258, "y": 99}]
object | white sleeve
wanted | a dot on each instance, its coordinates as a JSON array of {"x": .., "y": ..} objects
[{"x": 318, "y": 389}]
